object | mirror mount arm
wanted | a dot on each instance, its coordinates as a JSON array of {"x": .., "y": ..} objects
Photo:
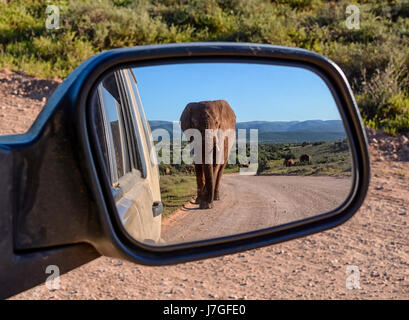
[{"x": 15, "y": 265}]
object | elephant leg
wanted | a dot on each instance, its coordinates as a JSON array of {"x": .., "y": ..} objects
[
  {"x": 200, "y": 181},
  {"x": 207, "y": 199},
  {"x": 218, "y": 181},
  {"x": 220, "y": 169}
]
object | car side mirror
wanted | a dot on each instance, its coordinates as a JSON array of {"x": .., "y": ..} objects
[{"x": 171, "y": 153}]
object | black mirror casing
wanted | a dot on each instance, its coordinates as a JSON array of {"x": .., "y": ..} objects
[{"x": 57, "y": 207}]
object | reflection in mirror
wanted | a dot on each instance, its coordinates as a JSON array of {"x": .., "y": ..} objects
[{"x": 199, "y": 151}]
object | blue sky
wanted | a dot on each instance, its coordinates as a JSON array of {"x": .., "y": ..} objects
[{"x": 256, "y": 92}]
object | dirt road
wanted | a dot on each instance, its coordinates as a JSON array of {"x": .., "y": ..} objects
[
  {"x": 250, "y": 203},
  {"x": 375, "y": 240}
]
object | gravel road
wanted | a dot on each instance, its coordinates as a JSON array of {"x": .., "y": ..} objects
[
  {"x": 375, "y": 240},
  {"x": 251, "y": 203}
]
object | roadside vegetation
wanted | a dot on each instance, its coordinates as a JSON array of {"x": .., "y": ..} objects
[
  {"x": 176, "y": 190},
  {"x": 327, "y": 158},
  {"x": 375, "y": 57}
]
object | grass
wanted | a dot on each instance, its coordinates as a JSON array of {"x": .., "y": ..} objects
[
  {"x": 176, "y": 190},
  {"x": 375, "y": 57}
]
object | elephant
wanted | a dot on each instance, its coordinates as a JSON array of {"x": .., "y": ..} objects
[
  {"x": 220, "y": 118},
  {"x": 245, "y": 165},
  {"x": 288, "y": 162},
  {"x": 305, "y": 158}
]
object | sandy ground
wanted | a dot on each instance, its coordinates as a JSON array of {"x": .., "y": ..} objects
[
  {"x": 375, "y": 240},
  {"x": 21, "y": 100},
  {"x": 250, "y": 203}
]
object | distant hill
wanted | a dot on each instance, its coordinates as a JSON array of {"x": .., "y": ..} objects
[
  {"x": 285, "y": 126},
  {"x": 270, "y": 132},
  {"x": 298, "y": 137},
  {"x": 158, "y": 124}
]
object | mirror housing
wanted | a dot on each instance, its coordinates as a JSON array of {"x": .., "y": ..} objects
[{"x": 56, "y": 208}]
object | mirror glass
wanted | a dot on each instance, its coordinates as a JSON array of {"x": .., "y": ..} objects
[{"x": 197, "y": 151}]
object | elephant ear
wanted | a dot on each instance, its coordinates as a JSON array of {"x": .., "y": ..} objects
[
  {"x": 227, "y": 112},
  {"x": 185, "y": 118}
]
